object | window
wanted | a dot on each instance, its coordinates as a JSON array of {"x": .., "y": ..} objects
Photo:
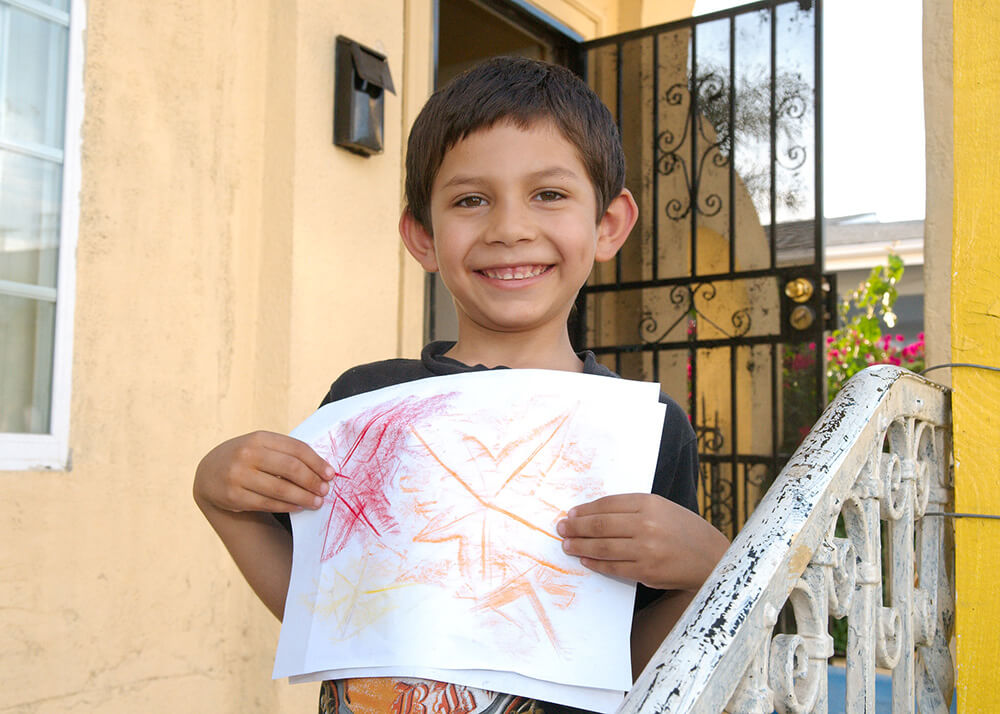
[{"x": 41, "y": 101}]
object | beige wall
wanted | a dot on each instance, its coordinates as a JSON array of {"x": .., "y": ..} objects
[
  {"x": 939, "y": 128},
  {"x": 231, "y": 263}
]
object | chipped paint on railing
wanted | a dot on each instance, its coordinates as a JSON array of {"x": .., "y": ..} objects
[{"x": 880, "y": 452}]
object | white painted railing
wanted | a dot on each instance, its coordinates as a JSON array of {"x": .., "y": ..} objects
[{"x": 879, "y": 455}]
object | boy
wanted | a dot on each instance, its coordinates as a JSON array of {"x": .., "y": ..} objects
[{"x": 514, "y": 189}]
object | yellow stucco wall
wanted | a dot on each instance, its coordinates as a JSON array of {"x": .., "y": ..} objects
[
  {"x": 596, "y": 18},
  {"x": 976, "y": 338},
  {"x": 231, "y": 263}
]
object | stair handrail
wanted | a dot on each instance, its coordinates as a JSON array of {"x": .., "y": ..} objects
[{"x": 880, "y": 452}]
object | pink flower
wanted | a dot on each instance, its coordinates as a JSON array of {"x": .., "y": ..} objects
[
  {"x": 899, "y": 338},
  {"x": 829, "y": 340},
  {"x": 920, "y": 336},
  {"x": 812, "y": 346},
  {"x": 800, "y": 362}
]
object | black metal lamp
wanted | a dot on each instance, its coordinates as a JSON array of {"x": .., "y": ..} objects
[{"x": 361, "y": 79}]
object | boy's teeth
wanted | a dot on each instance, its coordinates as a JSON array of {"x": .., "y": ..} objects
[{"x": 516, "y": 273}]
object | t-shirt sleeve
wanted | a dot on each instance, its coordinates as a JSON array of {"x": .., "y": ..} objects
[{"x": 676, "y": 476}]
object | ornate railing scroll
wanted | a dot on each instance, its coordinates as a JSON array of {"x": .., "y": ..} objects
[{"x": 879, "y": 454}]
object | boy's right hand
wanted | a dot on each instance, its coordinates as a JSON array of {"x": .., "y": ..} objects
[{"x": 262, "y": 471}]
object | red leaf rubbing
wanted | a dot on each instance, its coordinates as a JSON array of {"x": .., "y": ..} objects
[{"x": 364, "y": 451}]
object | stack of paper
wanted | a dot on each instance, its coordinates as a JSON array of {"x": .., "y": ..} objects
[{"x": 435, "y": 553}]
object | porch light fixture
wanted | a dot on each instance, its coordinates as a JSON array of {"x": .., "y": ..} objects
[{"x": 361, "y": 79}]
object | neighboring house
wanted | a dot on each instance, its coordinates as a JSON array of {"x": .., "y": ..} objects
[
  {"x": 855, "y": 245},
  {"x": 219, "y": 262}
]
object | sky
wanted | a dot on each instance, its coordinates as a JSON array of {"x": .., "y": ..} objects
[{"x": 873, "y": 114}]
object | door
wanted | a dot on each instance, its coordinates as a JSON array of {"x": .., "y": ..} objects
[
  {"x": 719, "y": 294},
  {"x": 469, "y": 31}
]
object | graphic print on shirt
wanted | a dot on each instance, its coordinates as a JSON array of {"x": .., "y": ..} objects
[{"x": 401, "y": 696}]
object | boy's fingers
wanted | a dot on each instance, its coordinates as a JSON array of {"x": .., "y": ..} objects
[
  {"x": 614, "y": 568},
  {"x": 291, "y": 469},
  {"x": 275, "y": 488},
  {"x": 603, "y": 525},
  {"x": 619, "y": 503},
  {"x": 304, "y": 453},
  {"x": 298, "y": 449},
  {"x": 621, "y": 549},
  {"x": 257, "y": 502}
]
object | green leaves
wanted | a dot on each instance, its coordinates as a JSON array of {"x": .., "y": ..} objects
[
  {"x": 859, "y": 342},
  {"x": 868, "y": 328}
]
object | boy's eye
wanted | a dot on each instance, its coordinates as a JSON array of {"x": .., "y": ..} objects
[
  {"x": 470, "y": 202},
  {"x": 549, "y": 195}
]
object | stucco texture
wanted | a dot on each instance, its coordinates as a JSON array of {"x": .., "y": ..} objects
[
  {"x": 975, "y": 338},
  {"x": 231, "y": 263}
]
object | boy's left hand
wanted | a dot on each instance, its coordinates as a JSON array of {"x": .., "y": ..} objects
[{"x": 643, "y": 537}]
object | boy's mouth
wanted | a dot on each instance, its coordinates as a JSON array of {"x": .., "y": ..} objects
[{"x": 515, "y": 272}]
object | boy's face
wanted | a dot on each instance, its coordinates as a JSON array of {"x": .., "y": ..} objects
[{"x": 515, "y": 228}]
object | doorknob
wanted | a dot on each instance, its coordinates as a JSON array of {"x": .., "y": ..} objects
[{"x": 799, "y": 290}]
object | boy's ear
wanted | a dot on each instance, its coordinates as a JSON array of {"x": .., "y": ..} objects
[
  {"x": 615, "y": 225},
  {"x": 418, "y": 241}
]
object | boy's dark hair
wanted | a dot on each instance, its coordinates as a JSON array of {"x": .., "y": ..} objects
[{"x": 521, "y": 91}]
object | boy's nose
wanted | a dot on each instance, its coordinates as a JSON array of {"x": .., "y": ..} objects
[{"x": 511, "y": 224}]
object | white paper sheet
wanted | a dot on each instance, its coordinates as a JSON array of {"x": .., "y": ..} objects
[{"x": 436, "y": 547}]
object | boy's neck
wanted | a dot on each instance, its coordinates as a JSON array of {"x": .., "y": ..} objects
[{"x": 517, "y": 350}]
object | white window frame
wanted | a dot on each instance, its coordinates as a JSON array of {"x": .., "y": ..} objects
[{"x": 28, "y": 452}]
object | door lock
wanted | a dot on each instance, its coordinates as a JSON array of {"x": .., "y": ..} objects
[
  {"x": 802, "y": 317},
  {"x": 799, "y": 290}
]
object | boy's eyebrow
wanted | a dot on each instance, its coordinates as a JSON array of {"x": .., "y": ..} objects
[{"x": 552, "y": 172}]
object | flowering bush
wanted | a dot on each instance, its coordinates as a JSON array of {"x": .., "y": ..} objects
[
  {"x": 860, "y": 343},
  {"x": 799, "y": 389}
]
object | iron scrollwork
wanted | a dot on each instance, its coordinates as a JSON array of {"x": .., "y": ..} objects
[
  {"x": 793, "y": 107},
  {"x": 759, "y": 115},
  {"x": 683, "y": 297},
  {"x": 706, "y": 90},
  {"x": 719, "y": 500}
]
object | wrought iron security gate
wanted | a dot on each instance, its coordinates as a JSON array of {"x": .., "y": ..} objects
[{"x": 719, "y": 294}]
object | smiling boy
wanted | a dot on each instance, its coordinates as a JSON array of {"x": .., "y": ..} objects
[{"x": 514, "y": 189}]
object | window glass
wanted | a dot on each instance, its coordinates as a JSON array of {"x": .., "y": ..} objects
[
  {"x": 57, "y": 4},
  {"x": 34, "y": 80},
  {"x": 33, "y": 65},
  {"x": 30, "y": 193},
  {"x": 26, "y": 334}
]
